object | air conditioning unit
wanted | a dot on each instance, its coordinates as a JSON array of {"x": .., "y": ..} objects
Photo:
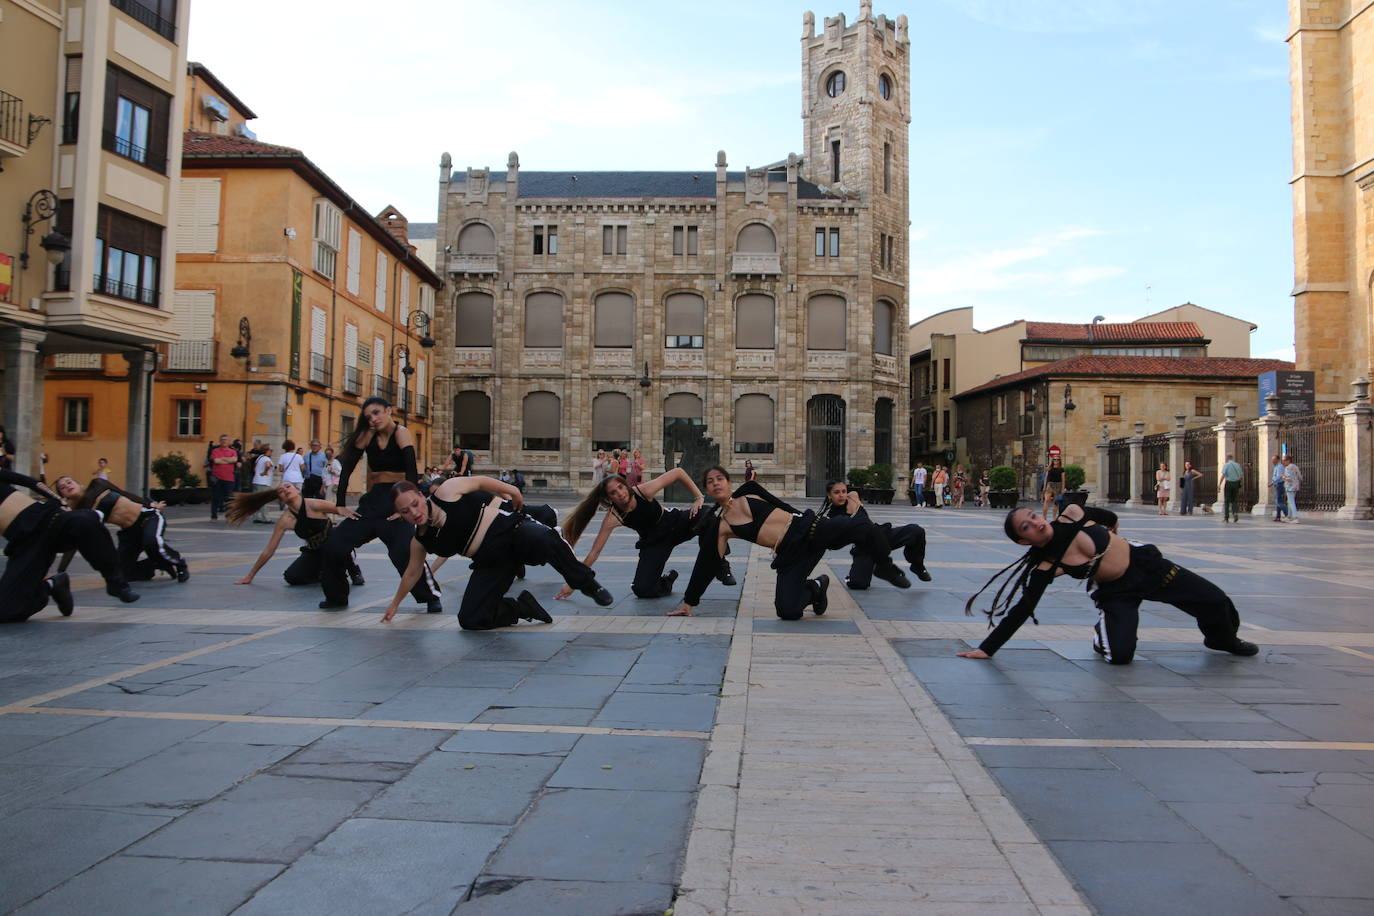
[{"x": 214, "y": 107}]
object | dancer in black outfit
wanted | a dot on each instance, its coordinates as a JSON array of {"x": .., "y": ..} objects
[
  {"x": 142, "y": 538},
  {"x": 659, "y": 529},
  {"x": 798, "y": 539},
  {"x": 840, "y": 500},
  {"x": 305, "y": 515},
  {"x": 485, "y": 520},
  {"x": 36, "y": 531},
  {"x": 390, "y": 451},
  {"x": 1084, "y": 545}
]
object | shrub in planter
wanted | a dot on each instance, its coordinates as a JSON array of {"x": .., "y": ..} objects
[
  {"x": 880, "y": 476},
  {"x": 1074, "y": 475},
  {"x": 858, "y": 478},
  {"x": 1002, "y": 482},
  {"x": 170, "y": 469},
  {"x": 191, "y": 480}
]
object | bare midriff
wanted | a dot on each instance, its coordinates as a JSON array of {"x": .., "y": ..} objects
[{"x": 15, "y": 503}]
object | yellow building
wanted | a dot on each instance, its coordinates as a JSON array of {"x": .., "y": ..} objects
[
  {"x": 1331, "y": 54},
  {"x": 90, "y": 106},
  {"x": 293, "y": 304}
]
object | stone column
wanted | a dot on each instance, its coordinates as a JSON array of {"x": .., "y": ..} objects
[
  {"x": 22, "y": 410},
  {"x": 1136, "y": 444},
  {"x": 1104, "y": 467},
  {"x": 1358, "y": 418},
  {"x": 141, "y": 366},
  {"x": 1267, "y": 446},
  {"x": 1226, "y": 445},
  {"x": 1176, "y": 464}
]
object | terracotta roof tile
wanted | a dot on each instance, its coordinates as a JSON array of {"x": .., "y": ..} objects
[
  {"x": 1139, "y": 331},
  {"x": 196, "y": 144},
  {"x": 1202, "y": 367}
]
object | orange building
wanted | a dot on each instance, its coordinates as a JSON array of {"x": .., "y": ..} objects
[{"x": 293, "y": 304}]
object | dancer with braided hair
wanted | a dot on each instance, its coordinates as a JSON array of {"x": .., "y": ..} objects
[
  {"x": 840, "y": 500},
  {"x": 1084, "y": 545},
  {"x": 307, "y": 516}
]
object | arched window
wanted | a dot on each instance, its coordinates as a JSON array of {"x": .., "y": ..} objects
[
  {"x": 610, "y": 420},
  {"x": 882, "y": 327},
  {"x": 615, "y": 320},
  {"x": 825, "y": 323},
  {"x": 539, "y": 423},
  {"x": 754, "y": 425},
  {"x": 476, "y": 238},
  {"x": 474, "y": 320},
  {"x": 472, "y": 420},
  {"x": 685, "y": 315},
  {"x": 884, "y": 85},
  {"x": 755, "y": 322},
  {"x": 756, "y": 238},
  {"x": 683, "y": 423},
  {"x": 834, "y": 84},
  {"x": 544, "y": 320},
  {"x": 882, "y": 431}
]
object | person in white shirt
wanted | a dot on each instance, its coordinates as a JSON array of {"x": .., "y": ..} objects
[
  {"x": 262, "y": 480},
  {"x": 1292, "y": 482},
  {"x": 918, "y": 486},
  {"x": 292, "y": 464}
]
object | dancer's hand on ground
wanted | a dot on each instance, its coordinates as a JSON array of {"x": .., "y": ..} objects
[
  {"x": 564, "y": 592},
  {"x": 973, "y": 653},
  {"x": 684, "y": 610},
  {"x": 390, "y": 613},
  {"x": 246, "y": 580}
]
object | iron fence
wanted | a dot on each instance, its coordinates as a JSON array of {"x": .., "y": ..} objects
[
  {"x": 1154, "y": 450},
  {"x": 1247, "y": 455},
  {"x": 13, "y": 128},
  {"x": 1317, "y": 443},
  {"x": 321, "y": 369},
  {"x": 1200, "y": 448},
  {"x": 1118, "y": 470}
]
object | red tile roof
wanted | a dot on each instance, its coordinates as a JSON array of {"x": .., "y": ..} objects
[
  {"x": 1135, "y": 331},
  {"x": 196, "y": 144},
  {"x": 1200, "y": 367}
]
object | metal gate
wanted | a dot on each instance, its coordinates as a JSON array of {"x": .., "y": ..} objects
[
  {"x": 685, "y": 440},
  {"x": 1247, "y": 454},
  {"x": 824, "y": 442},
  {"x": 1154, "y": 449},
  {"x": 1200, "y": 447},
  {"x": 1118, "y": 471},
  {"x": 1317, "y": 444}
]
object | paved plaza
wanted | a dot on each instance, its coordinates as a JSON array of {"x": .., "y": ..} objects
[{"x": 220, "y": 748}]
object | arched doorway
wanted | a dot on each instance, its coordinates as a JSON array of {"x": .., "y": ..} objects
[{"x": 824, "y": 442}]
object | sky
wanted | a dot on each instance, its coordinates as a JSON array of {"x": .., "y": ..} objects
[{"x": 1069, "y": 158}]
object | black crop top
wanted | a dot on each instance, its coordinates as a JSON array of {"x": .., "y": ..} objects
[
  {"x": 388, "y": 458},
  {"x": 644, "y": 515},
  {"x": 1101, "y": 538},
  {"x": 314, "y": 531},
  {"x": 460, "y": 523},
  {"x": 758, "y": 514}
]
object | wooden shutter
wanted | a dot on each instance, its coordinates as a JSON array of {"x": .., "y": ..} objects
[
  {"x": 195, "y": 314},
  {"x": 381, "y": 281},
  {"x": 317, "y": 330},
  {"x": 355, "y": 258},
  {"x": 197, "y": 230},
  {"x": 351, "y": 346}
]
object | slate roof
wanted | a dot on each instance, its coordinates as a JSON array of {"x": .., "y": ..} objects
[
  {"x": 1134, "y": 331},
  {"x": 636, "y": 185},
  {"x": 1200, "y": 367}
]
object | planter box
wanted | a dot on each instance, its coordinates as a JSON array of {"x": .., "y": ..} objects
[
  {"x": 180, "y": 496},
  {"x": 1073, "y": 498},
  {"x": 877, "y": 497},
  {"x": 1003, "y": 499}
]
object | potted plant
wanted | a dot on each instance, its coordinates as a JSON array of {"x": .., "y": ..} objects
[
  {"x": 191, "y": 491},
  {"x": 1002, "y": 487},
  {"x": 1074, "y": 494},
  {"x": 858, "y": 479},
  {"x": 170, "y": 470},
  {"x": 879, "y": 490}
]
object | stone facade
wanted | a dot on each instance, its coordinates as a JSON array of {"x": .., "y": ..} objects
[
  {"x": 813, "y": 236},
  {"x": 1331, "y": 53}
]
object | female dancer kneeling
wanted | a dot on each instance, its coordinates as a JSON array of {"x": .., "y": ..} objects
[
  {"x": 307, "y": 516},
  {"x": 840, "y": 500},
  {"x": 142, "y": 528},
  {"x": 798, "y": 539},
  {"x": 482, "y": 518},
  {"x": 659, "y": 529},
  {"x": 390, "y": 451},
  {"x": 36, "y": 532},
  {"x": 1084, "y": 544}
]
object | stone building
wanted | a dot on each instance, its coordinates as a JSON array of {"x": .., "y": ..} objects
[
  {"x": 91, "y": 98},
  {"x": 757, "y": 311},
  {"x": 1331, "y": 54}
]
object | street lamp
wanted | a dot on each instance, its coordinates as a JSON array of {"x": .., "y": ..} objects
[
  {"x": 403, "y": 353},
  {"x": 644, "y": 381},
  {"x": 241, "y": 349},
  {"x": 42, "y": 206},
  {"x": 1068, "y": 400},
  {"x": 420, "y": 321}
]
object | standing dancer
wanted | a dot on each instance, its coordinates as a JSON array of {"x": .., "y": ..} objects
[
  {"x": 36, "y": 532},
  {"x": 308, "y": 517},
  {"x": 390, "y": 451},
  {"x": 1083, "y": 544},
  {"x": 142, "y": 528},
  {"x": 840, "y": 500},
  {"x": 659, "y": 529},
  {"x": 484, "y": 519},
  {"x": 798, "y": 539}
]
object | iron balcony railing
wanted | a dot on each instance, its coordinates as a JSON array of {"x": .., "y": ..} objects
[
  {"x": 421, "y": 406},
  {"x": 123, "y": 146},
  {"x": 147, "y": 16},
  {"x": 190, "y": 356},
  {"x": 405, "y": 400},
  {"x": 321, "y": 369},
  {"x": 13, "y": 127},
  {"x": 350, "y": 384},
  {"x": 383, "y": 387},
  {"x": 130, "y": 291}
]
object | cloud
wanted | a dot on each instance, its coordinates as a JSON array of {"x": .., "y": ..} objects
[
  {"x": 1048, "y": 263},
  {"x": 1287, "y": 353},
  {"x": 1054, "y": 16}
]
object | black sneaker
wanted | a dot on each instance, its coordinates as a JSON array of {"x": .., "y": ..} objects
[
  {"x": 356, "y": 577},
  {"x": 327, "y": 605},
  {"x": 852, "y": 587},
  {"x": 434, "y": 606},
  {"x": 531, "y": 609},
  {"x": 921, "y": 573},
  {"x": 602, "y": 597},
  {"x": 726, "y": 577},
  {"x": 820, "y": 602},
  {"x": 666, "y": 583},
  {"x": 60, "y": 591},
  {"x": 183, "y": 572},
  {"x": 1236, "y": 646},
  {"x": 123, "y": 593},
  {"x": 894, "y": 576},
  {"x": 520, "y": 571}
]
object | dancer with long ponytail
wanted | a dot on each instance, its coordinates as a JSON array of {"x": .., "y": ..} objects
[
  {"x": 840, "y": 500},
  {"x": 1083, "y": 544},
  {"x": 486, "y": 520},
  {"x": 307, "y": 516},
  {"x": 143, "y": 546},
  {"x": 659, "y": 529}
]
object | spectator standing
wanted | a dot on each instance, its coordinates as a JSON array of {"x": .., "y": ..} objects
[
  {"x": 316, "y": 465},
  {"x": 333, "y": 467},
  {"x": 1162, "y": 487},
  {"x": 636, "y": 470},
  {"x": 940, "y": 481},
  {"x": 623, "y": 468},
  {"x": 599, "y": 467},
  {"x": 1186, "y": 486},
  {"x": 223, "y": 467},
  {"x": 292, "y": 465},
  {"x": 750, "y": 473},
  {"x": 918, "y": 485},
  {"x": 1280, "y": 493},
  {"x": 958, "y": 482},
  {"x": 262, "y": 480},
  {"x": 102, "y": 469},
  {"x": 1292, "y": 482},
  {"x": 1231, "y": 474},
  {"x": 984, "y": 487}
]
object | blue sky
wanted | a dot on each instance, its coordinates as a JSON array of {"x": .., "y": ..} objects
[{"x": 1070, "y": 158}]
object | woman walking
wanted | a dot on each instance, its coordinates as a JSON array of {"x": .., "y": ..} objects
[
  {"x": 1162, "y": 488},
  {"x": 636, "y": 470},
  {"x": 840, "y": 500},
  {"x": 484, "y": 519},
  {"x": 959, "y": 482},
  {"x": 798, "y": 540},
  {"x": 1083, "y": 545},
  {"x": 1054, "y": 485},
  {"x": 390, "y": 451},
  {"x": 940, "y": 481},
  {"x": 308, "y": 517},
  {"x": 143, "y": 547},
  {"x": 1186, "y": 485},
  {"x": 659, "y": 529}
]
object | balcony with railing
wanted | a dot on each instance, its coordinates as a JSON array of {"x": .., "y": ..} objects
[
  {"x": 14, "y": 128},
  {"x": 421, "y": 406},
  {"x": 123, "y": 146},
  {"x": 461, "y": 263},
  {"x": 133, "y": 292},
  {"x": 383, "y": 387},
  {"x": 321, "y": 369},
  {"x": 147, "y": 16},
  {"x": 405, "y": 400},
  {"x": 190, "y": 356},
  {"x": 351, "y": 381},
  {"x": 752, "y": 263}
]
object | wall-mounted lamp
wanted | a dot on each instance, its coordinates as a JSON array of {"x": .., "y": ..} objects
[
  {"x": 644, "y": 381},
  {"x": 242, "y": 348},
  {"x": 402, "y": 352},
  {"x": 420, "y": 321},
  {"x": 42, "y": 206},
  {"x": 1068, "y": 400}
]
